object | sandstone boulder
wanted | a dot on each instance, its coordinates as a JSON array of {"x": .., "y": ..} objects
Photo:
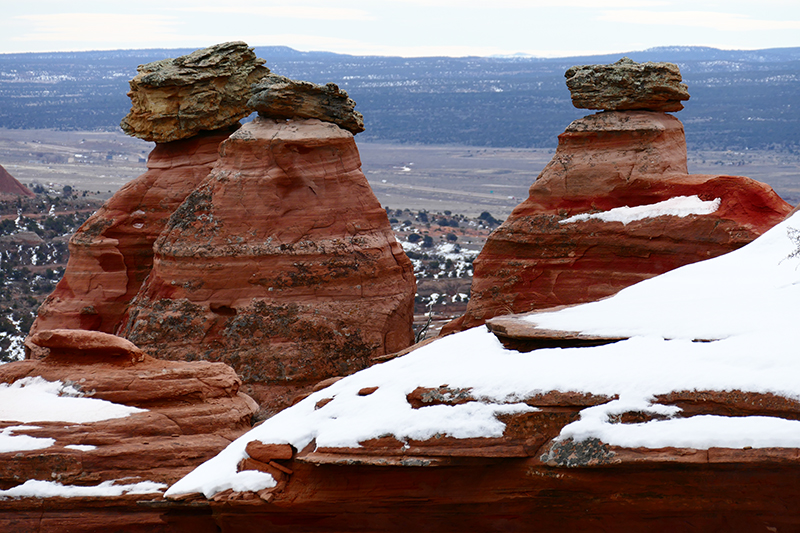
[
  {"x": 206, "y": 90},
  {"x": 538, "y": 259},
  {"x": 281, "y": 263},
  {"x": 627, "y": 85},
  {"x": 279, "y": 97},
  {"x": 112, "y": 252},
  {"x": 68, "y": 342}
]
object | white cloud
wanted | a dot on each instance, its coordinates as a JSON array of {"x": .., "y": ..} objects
[
  {"x": 99, "y": 28},
  {"x": 703, "y": 19},
  {"x": 295, "y": 12},
  {"x": 535, "y": 4}
]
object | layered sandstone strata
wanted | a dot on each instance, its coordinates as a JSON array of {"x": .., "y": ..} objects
[
  {"x": 280, "y": 97},
  {"x": 185, "y": 413},
  {"x": 536, "y": 259},
  {"x": 627, "y": 85},
  {"x": 281, "y": 263},
  {"x": 206, "y": 90},
  {"x": 111, "y": 254}
]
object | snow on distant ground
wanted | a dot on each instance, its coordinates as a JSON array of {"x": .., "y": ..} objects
[
  {"x": 743, "y": 306},
  {"x": 50, "y": 489},
  {"x": 679, "y": 206}
]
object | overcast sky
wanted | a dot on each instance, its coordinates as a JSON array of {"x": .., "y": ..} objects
[{"x": 548, "y": 28}]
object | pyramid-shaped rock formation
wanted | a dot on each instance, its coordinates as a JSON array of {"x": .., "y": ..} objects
[
  {"x": 564, "y": 245},
  {"x": 281, "y": 262},
  {"x": 10, "y": 185},
  {"x": 268, "y": 251}
]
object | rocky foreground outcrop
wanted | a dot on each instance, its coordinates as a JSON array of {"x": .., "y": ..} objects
[
  {"x": 280, "y": 263},
  {"x": 563, "y": 244},
  {"x": 185, "y": 412}
]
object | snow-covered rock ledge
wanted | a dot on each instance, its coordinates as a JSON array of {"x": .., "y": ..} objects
[{"x": 721, "y": 330}]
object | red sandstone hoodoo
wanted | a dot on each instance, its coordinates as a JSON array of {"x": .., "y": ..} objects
[
  {"x": 629, "y": 154},
  {"x": 265, "y": 249}
]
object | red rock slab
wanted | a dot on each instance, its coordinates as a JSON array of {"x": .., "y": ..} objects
[
  {"x": 517, "y": 333},
  {"x": 81, "y": 342},
  {"x": 604, "y": 161},
  {"x": 267, "y": 452},
  {"x": 193, "y": 410},
  {"x": 112, "y": 252},
  {"x": 282, "y": 263},
  {"x": 517, "y": 494}
]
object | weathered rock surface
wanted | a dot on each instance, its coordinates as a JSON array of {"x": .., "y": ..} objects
[
  {"x": 627, "y": 85},
  {"x": 206, "y": 90},
  {"x": 280, "y": 97},
  {"x": 62, "y": 343},
  {"x": 10, "y": 185},
  {"x": 192, "y": 411},
  {"x": 281, "y": 263},
  {"x": 112, "y": 253},
  {"x": 604, "y": 161}
]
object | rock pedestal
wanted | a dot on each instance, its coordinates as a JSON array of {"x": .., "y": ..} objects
[
  {"x": 605, "y": 161},
  {"x": 281, "y": 263}
]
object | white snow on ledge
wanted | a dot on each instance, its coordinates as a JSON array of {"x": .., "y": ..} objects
[
  {"x": 743, "y": 306},
  {"x": 679, "y": 206},
  {"x": 35, "y": 399},
  {"x": 34, "y": 488}
]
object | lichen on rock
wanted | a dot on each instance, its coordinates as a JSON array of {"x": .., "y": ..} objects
[
  {"x": 282, "y": 98},
  {"x": 627, "y": 85},
  {"x": 206, "y": 90}
]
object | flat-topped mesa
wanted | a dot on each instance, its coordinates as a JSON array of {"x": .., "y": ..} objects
[
  {"x": 282, "y": 98},
  {"x": 282, "y": 263},
  {"x": 627, "y": 85},
  {"x": 206, "y": 90}
]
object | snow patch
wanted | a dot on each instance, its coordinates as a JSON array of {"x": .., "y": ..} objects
[
  {"x": 679, "y": 206},
  {"x": 22, "y": 443},
  {"x": 743, "y": 306},
  {"x": 34, "y": 399},
  {"x": 34, "y": 488}
]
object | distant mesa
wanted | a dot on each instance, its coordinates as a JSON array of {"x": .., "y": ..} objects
[
  {"x": 280, "y": 97},
  {"x": 206, "y": 90},
  {"x": 627, "y": 85},
  {"x": 10, "y": 185}
]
